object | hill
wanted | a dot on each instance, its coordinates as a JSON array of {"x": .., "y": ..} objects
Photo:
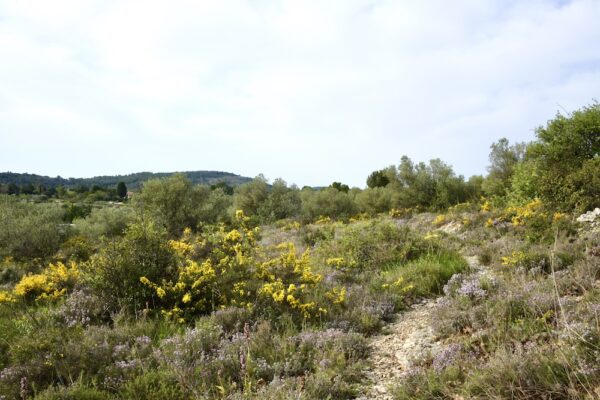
[{"x": 132, "y": 181}]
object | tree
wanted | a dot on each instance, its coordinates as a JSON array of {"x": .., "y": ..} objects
[
  {"x": 121, "y": 190},
  {"x": 250, "y": 196},
  {"x": 13, "y": 188},
  {"x": 565, "y": 156},
  {"x": 174, "y": 201},
  {"x": 378, "y": 179},
  {"x": 503, "y": 160},
  {"x": 227, "y": 189},
  {"x": 340, "y": 186},
  {"x": 283, "y": 202}
]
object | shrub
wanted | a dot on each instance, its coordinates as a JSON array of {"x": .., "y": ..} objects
[
  {"x": 372, "y": 245},
  {"x": 51, "y": 284},
  {"x": 153, "y": 385},
  {"x": 77, "y": 391},
  {"x": 174, "y": 202},
  {"x": 115, "y": 271},
  {"x": 29, "y": 231},
  {"x": 106, "y": 221}
]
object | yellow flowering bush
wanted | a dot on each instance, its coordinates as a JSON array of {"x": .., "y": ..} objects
[
  {"x": 289, "y": 283},
  {"x": 233, "y": 271},
  {"x": 202, "y": 285},
  {"x": 52, "y": 283},
  {"x": 521, "y": 215},
  {"x": 534, "y": 218},
  {"x": 6, "y": 297}
]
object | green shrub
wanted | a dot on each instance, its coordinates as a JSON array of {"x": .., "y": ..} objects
[
  {"x": 153, "y": 385},
  {"x": 29, "y": 231},
  {"x": 372, "y": 245},
  {"x": 106, "y": 221},
  {"x": 115, "y": 271},
  {"x": 75, "y": 392}
]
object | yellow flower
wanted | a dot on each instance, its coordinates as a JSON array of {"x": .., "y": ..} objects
[
  {"x": 431, "y": 236},
  {"x": 6, "y": 297},
  {"x": 186, "y": 298},
  {"x": 145, "y": 281},
  {"x": 337, "y": 262},
  {"x": 486, "y": 206},
  {"x": 558, "y": 217},
  {"x": 161, "y": 292},
  {"x": 233, "y": 236},
  {"x": 440, "y": 220},
  {"x": 279, "y": 296}
]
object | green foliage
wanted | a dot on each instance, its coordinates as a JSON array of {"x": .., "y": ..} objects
[
  {"x": 378, "y": 179},
  {"x": 283, "y": 202},
  {"x": 424, "y": 277},
  {"x": 250, "y": 196},
  {"x": 121, "y": 190},
  {"x": 371, "y": 245},
  {"x": 174, "y": 201},
  {"x": 566, "y": 156},
  {"x": 433, "y": 185},
  {"x": 327, "y": 202},
  {"x": 375, "y": 200},
  {"x": 132, "y": 181},
  {"x": 153, "y": 385},
  {"x": 107, "y": 221},
  {"x": 29, "y": 231},
  {"x": 115, "y": 271},
  {"x": 503, "y": 160},
  {"x": 73, "y": 392},
  {"x": 340, "y": 186}
]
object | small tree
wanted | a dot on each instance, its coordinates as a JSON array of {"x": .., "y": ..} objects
[
  {"x": 121, "y": 190},
  {"x": 378, "y": 179},
  {"x": 503, "y": 161},
  {"x": 340, "y": 186}
]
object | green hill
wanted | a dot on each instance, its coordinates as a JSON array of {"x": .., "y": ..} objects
[{"x": 132, "y": 181}]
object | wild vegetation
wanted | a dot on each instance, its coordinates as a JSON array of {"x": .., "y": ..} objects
[{"x": 189, "y": 291}]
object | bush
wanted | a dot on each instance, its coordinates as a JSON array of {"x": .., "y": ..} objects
[
  {"x": 153, "y": 385},
  {"x": 174, "y": 202},
  {"x": 371, "y": 245},
  {"x": 107, "y": 222},
  {"x": 328, "y": 202},
  {"x": 115, "y": 271},
  {"x": 29, "y": 231},
  {"x": 75, "y": 392}
]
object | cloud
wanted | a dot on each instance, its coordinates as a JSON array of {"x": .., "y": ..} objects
[{"x": 310, "y": 91}]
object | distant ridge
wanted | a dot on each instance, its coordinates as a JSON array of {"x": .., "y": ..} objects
[{"x": 133, "y": 181}]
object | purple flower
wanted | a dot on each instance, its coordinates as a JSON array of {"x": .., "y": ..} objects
[{"x": 447, "y": 357}]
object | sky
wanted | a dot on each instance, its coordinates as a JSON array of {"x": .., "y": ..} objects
[{"x": 309, "y": 91}]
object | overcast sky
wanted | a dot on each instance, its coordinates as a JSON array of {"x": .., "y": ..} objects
[{"x": 310, "y": 91}]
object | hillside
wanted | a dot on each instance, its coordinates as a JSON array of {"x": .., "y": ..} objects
[
  {"x": 132, "y": 181},
  {"x": 421, "y": 286}
]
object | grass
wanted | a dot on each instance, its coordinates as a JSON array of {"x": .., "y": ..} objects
[{"x": 426, "y": 276}]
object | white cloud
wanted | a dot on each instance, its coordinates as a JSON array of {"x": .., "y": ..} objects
[{"x": 308, "y": 90}]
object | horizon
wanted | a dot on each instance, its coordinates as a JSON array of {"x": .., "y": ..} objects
[{"x": 304, "y": 91}]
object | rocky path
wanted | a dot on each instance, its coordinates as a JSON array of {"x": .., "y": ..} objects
[{"x": 409, "y": 338}]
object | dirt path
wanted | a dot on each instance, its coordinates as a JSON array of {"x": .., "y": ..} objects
[{"x": 409, "y": 338}]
